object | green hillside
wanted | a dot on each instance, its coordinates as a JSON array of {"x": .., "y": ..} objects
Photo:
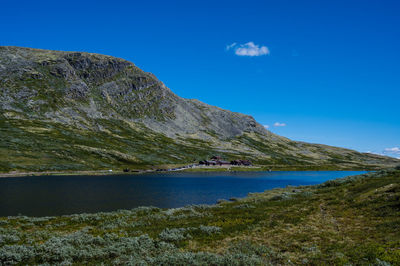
[{"x": 82, "y": 111}]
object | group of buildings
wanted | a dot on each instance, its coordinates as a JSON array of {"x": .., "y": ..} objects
[{"x": 217, "y": 160}]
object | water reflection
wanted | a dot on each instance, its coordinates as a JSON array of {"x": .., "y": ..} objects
[{"x": 58, "y": 195}]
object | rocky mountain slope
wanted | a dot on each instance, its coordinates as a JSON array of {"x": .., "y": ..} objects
[{"x": 76, "y": 111}]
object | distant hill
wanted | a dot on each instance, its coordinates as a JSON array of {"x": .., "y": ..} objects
[{"x": 83, "y": 111}]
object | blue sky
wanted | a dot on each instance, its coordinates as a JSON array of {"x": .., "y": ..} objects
[{"x": 327, "y": 70}]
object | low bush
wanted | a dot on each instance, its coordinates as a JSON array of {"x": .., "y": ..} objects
[
  {"x": 174, "y": 234},
  {"x": 323, "y": 224},
  {"x": 209, "y": 229}
]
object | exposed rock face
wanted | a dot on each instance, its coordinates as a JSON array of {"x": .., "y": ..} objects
[
  {"x": 114, "y": 87},
  {"x": 98, "y": 111}
]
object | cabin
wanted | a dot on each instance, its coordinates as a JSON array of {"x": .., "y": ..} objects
[
  {"x": 241, "y": 162},
  {"x": 216, "y": 160},
  {"x": 246, "y": 163},
  {"x": 236, "y": 162},
  {"x": 207, "y": 162}
]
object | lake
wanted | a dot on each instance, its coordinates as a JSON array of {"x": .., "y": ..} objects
[{"x": 59, "y": 195}]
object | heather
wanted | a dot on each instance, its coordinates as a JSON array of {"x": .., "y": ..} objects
[{"x": 353, "y": 220}]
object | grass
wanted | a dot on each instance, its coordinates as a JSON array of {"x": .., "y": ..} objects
[
  {"x": 73, "y": 111},
  {"x": 354, "y": 220},
  {"x": 35, "y": 146}
]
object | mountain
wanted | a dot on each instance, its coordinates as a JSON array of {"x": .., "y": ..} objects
[{"x": 83, "y": 111}]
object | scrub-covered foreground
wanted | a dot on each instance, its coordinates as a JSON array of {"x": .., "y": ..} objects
[{"x": 350, "y": 220}]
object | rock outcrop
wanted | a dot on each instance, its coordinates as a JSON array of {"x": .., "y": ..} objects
[{"x": 75, "y": 110}]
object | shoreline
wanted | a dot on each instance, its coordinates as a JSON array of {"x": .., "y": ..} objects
[
  {"x": 270, "y": 227},
  {"x": 199, "y": 169},
  {"x": 270, "y": 192}
]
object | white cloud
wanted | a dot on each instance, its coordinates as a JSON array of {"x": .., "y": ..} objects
[
  {"x": 266, "y": 126},
  {"x": 248, "y": 49},
  {"x": 376, "y": 153},
  {"x": 277, "y": 124},
  {"x": 230, "y": 46},
  {"x": 393, "y": 150}
]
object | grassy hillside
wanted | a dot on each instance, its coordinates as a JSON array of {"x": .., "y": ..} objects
[
  {"x": 82, "y": 111},
  {"x": 352, "y": 220},
  {"x": 33, "y": 145}
]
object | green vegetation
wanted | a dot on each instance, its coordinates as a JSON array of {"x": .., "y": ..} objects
[
  {"x": 75, "y": 111},
  {"x": 354, "y": 220},
  {"x": 35, "y": 146},
  {"x": 39, "y": 146}
]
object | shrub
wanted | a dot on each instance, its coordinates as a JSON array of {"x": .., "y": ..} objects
[
  {"x": 3, "y": 222},
  {"x": 244, "y": 206},
  {"x": 146, "y": 210},
  {"x": 210, "y": 229},
  {"x": 283, "y": 196},
  {"x": 8, "y": 238},
  {"x": 174, "y": 234},
  {"x": 306, "y": 194},
  {"x": 15, "y": 254},
  {"x": 247, "y": 247},
  {"x": 191, "y": 211}
]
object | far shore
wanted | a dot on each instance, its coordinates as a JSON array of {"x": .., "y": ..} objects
[{"x": 192, "y": 168}]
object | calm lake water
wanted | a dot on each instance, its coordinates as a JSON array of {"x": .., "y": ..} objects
[{"x": 58, "y": 195}]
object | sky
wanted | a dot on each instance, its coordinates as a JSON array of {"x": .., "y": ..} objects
[{"x": 317, "y": 71}]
